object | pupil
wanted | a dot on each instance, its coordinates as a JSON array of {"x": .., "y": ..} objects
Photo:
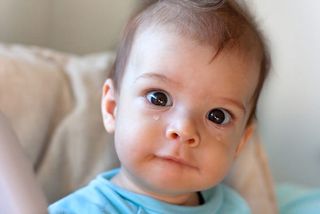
[
  {"x": 216, "y": 116},
  {"x": 159, "y": 99}
]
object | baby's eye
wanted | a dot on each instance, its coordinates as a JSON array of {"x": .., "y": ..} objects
[
  {"x": 219, "y": 116},
  {"x": 159, "y": 98}
]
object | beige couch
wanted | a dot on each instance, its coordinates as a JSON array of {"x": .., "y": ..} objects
[{"x": 53, "y": 102}]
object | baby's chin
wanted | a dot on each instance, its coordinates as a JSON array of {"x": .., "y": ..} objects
[
  {"x": 168, "y": 179},
  {"x": 174, "y": 187}
]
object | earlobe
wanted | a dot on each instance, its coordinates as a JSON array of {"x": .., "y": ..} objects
[
  {"x": 247, "y": 135},
  {"x": 109, "y": 105}
]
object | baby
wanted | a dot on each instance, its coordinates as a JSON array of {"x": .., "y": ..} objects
[{"x": 181, "y": 103}]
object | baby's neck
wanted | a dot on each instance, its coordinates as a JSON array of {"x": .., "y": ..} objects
[{"x": 188, "y": 199}]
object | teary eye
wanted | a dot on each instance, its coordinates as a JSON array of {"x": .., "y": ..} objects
[
  {"x": 159, "y": 98},
  {"x": 219, "y": 116}
]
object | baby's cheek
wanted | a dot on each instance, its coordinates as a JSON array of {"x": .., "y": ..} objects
[
  {"x": 216, "y": 161},
  {"x": 228, "y": 139},
  {"x": 138, "y": 129}
]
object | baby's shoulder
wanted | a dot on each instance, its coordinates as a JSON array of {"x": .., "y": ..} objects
[
  {"x": 85, "y": 200},
  {"x": 97, "y": 197}
]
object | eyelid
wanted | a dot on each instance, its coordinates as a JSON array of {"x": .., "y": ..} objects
[{"x": 231, "y": 113}]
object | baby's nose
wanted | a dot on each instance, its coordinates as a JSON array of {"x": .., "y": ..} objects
[{"x": 183, "y": 131}]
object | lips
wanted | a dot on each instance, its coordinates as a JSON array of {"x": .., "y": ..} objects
[{"x": 176, "y": 160}]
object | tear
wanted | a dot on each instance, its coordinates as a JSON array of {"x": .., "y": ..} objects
[{"x": 156, "y": 117}]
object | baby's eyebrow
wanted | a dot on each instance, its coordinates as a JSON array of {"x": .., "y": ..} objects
[
  {"x": 157, "y": 76},
  {"x": 235, "y": 103}
]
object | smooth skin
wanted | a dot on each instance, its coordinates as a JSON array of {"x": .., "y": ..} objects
[{"x": 179, "y": 117}]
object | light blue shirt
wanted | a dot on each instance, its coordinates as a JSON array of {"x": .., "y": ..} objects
[
  {"x": 102, "y": 196},
  {"x": 293, "y": 199}
]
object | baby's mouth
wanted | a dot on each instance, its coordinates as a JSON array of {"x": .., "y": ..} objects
[{"x": 177, "y": 161}]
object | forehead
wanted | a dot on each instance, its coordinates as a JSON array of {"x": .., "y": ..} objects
[
  {"x": 161, "y": 50},
  {"x": 160, "y": 46}
]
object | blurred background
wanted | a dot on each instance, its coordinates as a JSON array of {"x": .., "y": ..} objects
[
  {"x": 73, "y": 26},
  {"x": 289, "y": 108}
]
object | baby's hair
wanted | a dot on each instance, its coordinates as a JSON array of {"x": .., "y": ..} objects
[{"x": 221, "y": 24}]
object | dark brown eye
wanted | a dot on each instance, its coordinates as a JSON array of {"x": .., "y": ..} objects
[
  {"x": 219, "y": 116},
  {"x": 159, "y": 98}
]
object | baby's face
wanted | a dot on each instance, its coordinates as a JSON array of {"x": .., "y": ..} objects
[{"x": 181, "y": 118}]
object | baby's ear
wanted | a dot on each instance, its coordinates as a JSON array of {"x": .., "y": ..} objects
[
  {"x": 109, "y": 105},
  {"x": 246, "y": 136}
]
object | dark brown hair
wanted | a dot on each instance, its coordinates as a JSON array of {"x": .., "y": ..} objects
[{"x": 220, "y": 24}]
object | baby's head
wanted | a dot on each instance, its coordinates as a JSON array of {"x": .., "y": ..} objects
[
  {"x": 182, "y": 94},
  {"x": 218, "y": 24}
]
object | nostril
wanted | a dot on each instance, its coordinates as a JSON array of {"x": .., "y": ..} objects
[
  {"x": 174, "y": 136},
  {"x": 191, "y": 141}
]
